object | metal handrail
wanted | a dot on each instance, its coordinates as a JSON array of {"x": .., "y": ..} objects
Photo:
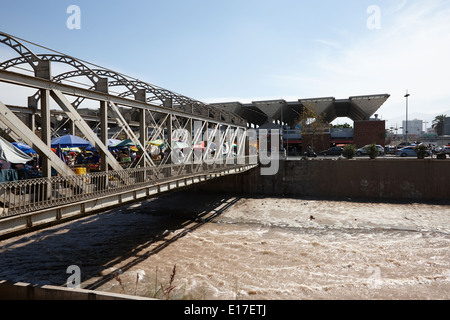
[{"x": 25, "y": 196}]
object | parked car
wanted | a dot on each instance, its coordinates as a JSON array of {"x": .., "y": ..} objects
[
  {"x": 409, "y": 152},
  {"x": 334, "y": 151},
  {"x": 362, "y": 151}
]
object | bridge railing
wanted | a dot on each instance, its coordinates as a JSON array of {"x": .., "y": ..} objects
[{"x": 25, "y": 196}]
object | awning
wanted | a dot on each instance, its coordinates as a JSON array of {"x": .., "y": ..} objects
[
  {"x": 24, "y": 147},
  {"x": 69, "y": 141},
  {"x": 12, "y": 154}
]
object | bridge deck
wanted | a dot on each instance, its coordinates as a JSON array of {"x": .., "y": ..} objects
[{"x": 26, "y": 208}]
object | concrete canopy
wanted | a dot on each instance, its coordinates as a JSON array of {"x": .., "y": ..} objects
[{"x": 261, "y": 112}]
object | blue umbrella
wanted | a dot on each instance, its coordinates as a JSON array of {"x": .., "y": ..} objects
[
  {"x": 69, "y": 141},
  {"x": 24, "y": 147},
  {"x": 91, "y": 148}
]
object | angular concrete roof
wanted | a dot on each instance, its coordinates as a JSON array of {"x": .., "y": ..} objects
[{"x": 261, "y": 112}]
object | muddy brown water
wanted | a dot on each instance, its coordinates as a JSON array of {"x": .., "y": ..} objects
[{"x": 231, "y": 248}]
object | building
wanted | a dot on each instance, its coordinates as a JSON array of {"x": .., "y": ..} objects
[
  {"x": 447, "y": 126},
  {"x": 286, "y": 114},
  {"x": 415, "y": 127}
]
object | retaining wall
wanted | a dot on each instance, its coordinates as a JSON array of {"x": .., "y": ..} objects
[
  {"x": 427, "y": 179},
  {"x": 26, "y": 291}
]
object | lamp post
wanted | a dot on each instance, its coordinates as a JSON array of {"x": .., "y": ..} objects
[{"x": 406, "y": 96}]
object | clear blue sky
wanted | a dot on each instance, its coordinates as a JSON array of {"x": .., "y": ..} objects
[{"x": 246, "y": 50}]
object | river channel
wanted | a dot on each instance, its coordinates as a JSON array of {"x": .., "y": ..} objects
[{"x": 211, "y": 247}]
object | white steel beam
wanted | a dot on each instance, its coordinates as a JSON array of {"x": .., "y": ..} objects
[
  {"x": 72, "y": 113},
  {"x": 29, "y": 81},
  {"x": 130, "y": 132},
  {"x": 30, "y": 138}
]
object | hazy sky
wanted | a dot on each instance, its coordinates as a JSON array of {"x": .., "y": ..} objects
[{"x": 247, "y": 50}]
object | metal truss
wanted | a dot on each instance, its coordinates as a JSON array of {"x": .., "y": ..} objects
[
  {"x": 154, "y": 109},
  {"x": 95, "y": 76}
]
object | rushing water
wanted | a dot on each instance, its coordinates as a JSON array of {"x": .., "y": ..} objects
[{"x": 223, "y": 247}]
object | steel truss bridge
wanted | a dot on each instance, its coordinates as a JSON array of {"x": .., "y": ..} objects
[{"x": 139, "y": 111}]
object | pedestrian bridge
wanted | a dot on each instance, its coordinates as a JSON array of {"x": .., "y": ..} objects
[
  {"x": 68, "y": 95},
  {"x": 25, "y": 206}
]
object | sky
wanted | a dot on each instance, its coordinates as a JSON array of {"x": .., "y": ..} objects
[{"x": 250, "y": 50}]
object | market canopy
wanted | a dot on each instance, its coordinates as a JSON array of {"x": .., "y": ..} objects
[
  {"x": 24, "y": 147},
  {"x": 69, "y": 141},
  {"x": 127, "y": 143},
  {"x": 157, "y": 142},
  {"x": 12, "y": 154},
  {"x": 123, "y": 143},
  {"x": 113, "y": 141},
  {"x": 71, "y": 149},
  {"x": 179, "y": 145}
]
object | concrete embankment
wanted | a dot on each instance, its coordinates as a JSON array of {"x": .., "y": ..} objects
[
  {"x": 26, "y": 291},
  {"x": 390, "y": 179}
]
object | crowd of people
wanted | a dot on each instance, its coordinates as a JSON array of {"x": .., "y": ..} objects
[{"x": 91, "y": 159}]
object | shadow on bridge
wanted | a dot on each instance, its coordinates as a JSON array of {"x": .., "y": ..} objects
[{"x": 97, "y": 244}]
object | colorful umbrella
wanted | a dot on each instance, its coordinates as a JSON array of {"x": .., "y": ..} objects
[
  {"x": 72, "y": 149},
  {"x": 157, "y": 142},
  {"x": 69, "y": 141},
  {"x": 124, "y": 143},
  {"x": 200, "y": 145},
  {"x": 24, "y": 147},
  {"x": 179, "y": 145}
]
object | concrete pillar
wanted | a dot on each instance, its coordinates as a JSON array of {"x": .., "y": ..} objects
[
  {"x": 46, "y": 168},
  {"x": 102, "y": 86},
  {"x": 104, "y": 133},
  {"x": 140, "y": 95},
  {"x": 43, "y": 71}
]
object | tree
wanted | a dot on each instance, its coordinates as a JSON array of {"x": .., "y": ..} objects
[
  {"x": 438, "y": 124},
  {"x": 313, "y": 124},
  {"x": 344, "y": 126}
]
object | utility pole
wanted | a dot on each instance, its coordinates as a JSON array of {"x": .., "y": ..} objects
[{"x": 406, "y": 96}]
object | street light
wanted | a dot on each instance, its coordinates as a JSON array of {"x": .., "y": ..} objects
[{"x": 406, "y": 96}]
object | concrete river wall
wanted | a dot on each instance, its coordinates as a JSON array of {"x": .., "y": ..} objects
[{"x": 392, "y": 179}]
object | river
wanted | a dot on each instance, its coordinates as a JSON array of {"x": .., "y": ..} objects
[{"x": 215, "y": 247}]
